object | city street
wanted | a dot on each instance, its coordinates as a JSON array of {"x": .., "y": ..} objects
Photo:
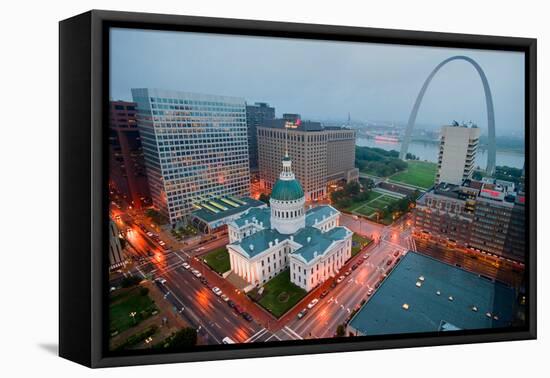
[{"x": 199, "y": 306}]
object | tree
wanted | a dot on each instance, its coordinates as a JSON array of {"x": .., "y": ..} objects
[
  {"x": 184, "y": 338},
  {"x": 130, "y": 281},
  {"x": 264, "y": 197},
  {"x": 340, "y": 330}
]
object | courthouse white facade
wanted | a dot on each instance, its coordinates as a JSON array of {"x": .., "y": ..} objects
[{"x": 266, "y": 241}]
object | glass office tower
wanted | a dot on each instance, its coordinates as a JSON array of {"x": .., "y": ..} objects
[{"x": 195, "y": 148}]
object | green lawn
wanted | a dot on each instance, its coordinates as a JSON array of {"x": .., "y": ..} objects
[
  {"x": 358, "y": 242},
  {"x": 375, "y": 202},
  {"x": 280, "y": 294},
  {"x": 418, "y": 173},
  {"x": 371, "y": 196},
  {"x": 123, "y": 304},
  {"x": 218, "y": 260}
]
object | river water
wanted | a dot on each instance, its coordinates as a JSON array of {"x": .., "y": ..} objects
[{"x": 429, "y": 152}]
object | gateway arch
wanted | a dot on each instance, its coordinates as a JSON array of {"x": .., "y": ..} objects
[{"x": 491, "y": 158}]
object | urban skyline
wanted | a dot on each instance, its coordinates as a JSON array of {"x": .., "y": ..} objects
[{"x": 264, "y": 225}]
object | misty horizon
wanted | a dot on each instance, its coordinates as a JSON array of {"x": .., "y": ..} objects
[{"x": 323, "y": 80}]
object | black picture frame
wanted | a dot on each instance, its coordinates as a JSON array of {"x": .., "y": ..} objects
[{"x": 83, "y": 211}]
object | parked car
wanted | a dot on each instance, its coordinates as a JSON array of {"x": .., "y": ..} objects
[
  {"x": 359, "y": 262},
  {"x": 160, "y": 280},
  {"x": 340, "y": 279},
  {"x": 366, "y": 256},
  {"x": 312, "y": 303},
  {"x": 302, "y": 313},
  {"x": 324, "y": 294},
  {"x": 333, "y": 284},
  {"x": 216, "y": 290},
  {"x": 186, "y": 265},
  {"x": 238, "y": 309},
  {"x": 204, "y": 280},
  {"x": 348, "y": 272},
  {"x": 247, "y": 316},
  {"x": 369, "y": 293},
  {"x": 230, "y": 303},
  {"x": 354, "y": 267},
  {"x": 396, "y": 253},
  {"x": 224, "y": 297},
  {"x": 388, "y": 263}
]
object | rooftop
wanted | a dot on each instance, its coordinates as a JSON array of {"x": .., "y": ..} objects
[
  {"x": 287, "y": 190},
  {"x": 425, "y": 295},
  {"x": 255, "y": 215},
  {"x": 317, "y": 214},
  {"x": 317, "y": 243},
  {"x": 210, "y": 210}
]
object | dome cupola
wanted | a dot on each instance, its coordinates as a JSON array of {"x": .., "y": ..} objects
[{"x": 287, "y": 201}]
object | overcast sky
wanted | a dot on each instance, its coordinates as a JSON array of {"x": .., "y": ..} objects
[{"x": 322, "y": 80}]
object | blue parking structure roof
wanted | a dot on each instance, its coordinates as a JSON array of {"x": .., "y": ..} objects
[{"x": 422, "y": 294}]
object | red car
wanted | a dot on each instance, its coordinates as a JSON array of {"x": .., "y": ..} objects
[{"x": 238, "y": 309}]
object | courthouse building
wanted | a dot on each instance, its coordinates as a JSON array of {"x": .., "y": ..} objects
[{"x": 266, "y": 241}]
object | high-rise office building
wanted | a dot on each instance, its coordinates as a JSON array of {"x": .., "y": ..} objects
[
  {"x": 195, "y": 148},
  {"x": 256, "y": 115},
  {"x": 457, "y": 153},
  {"x": 126, "y": 161},
  {"x": 321, "y": 155}
]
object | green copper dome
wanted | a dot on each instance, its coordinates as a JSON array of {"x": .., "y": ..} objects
[{"x": 287, "y": 190}]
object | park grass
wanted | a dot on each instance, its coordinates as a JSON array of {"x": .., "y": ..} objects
[
  {"x": 358, "y": 242},
  {"x": 371, "y": 196},
  {"x": 369, "y": 207},
  {"x": 122, "y": 305},
  {"x": 218, "y": 260},
  {"x": 366, "y": 211},
  {"x": 280, "y": 295},
  {"x": 418, "y": 173}
]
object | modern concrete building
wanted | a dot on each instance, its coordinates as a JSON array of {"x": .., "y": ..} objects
[
  {"x": 116, "y": 257},
  {"x": 422, "y": 294},
  {"x": 126, "y": 162},
  {"x": 256, "y": 115},
  {"x": 195, "y": 147},
  {"x": 321, "y": 155},
  {"x": 457, "y": 153},
  {"x": 485, "y": 215},
  {"x": 213, "y": 215},
  {"x": 266, "y": 241}
]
